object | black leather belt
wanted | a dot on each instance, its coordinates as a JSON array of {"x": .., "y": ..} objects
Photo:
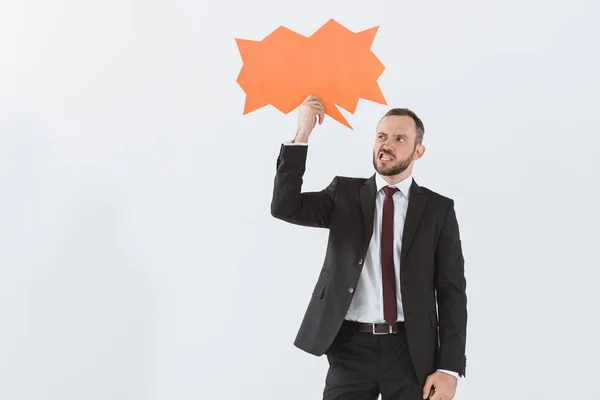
[{"x": 376, "y": 328}]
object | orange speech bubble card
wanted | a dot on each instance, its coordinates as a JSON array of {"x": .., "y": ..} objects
[{"x": 334, "y": 63}]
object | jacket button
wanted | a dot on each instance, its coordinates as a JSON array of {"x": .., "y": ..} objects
[
  {"x": 360, "y": 261},
  {"x": 351, "y": 290}
]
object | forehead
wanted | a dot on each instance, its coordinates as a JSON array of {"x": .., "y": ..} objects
[{"x": 397, "y": 125}]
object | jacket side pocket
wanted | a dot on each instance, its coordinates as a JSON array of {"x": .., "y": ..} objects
[{"x": 319, "y": 290}]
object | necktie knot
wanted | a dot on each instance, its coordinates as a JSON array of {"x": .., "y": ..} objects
[{"x": 390, "y": 190}]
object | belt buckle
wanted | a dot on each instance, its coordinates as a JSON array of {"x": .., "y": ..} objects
[{"x": 382, "y": 333}]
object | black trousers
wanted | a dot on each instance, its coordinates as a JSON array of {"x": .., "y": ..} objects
[{"x": 363, "y": 365}]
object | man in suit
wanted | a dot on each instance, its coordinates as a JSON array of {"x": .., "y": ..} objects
[{"x": 389, "y": 308}]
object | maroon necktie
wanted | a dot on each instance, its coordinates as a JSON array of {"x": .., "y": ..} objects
[{"x": 390, "y": 313}]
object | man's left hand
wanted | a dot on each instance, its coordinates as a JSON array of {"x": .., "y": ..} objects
[{"x": 444, "y": 384}]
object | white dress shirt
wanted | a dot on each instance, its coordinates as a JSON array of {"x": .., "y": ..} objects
[{"x": 367, "y": 303}]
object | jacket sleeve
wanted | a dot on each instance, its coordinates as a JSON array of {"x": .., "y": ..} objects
[
  {"x": 450, "y": 285},
  {"x": 289, "y": 203}
]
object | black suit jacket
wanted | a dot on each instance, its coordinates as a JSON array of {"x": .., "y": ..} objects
[{"x": 432, "y": 277}]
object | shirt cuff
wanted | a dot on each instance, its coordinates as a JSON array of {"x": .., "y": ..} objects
[
  {"x": 454, "y": 374},
  {"x": 291, "y": 143}
]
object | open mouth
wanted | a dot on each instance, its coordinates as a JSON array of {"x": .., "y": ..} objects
[{"x": 385, "y": 157}]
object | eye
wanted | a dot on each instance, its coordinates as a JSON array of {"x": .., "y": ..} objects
[{"x": 399, "y": 139}]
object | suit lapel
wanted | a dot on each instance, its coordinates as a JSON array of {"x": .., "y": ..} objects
[
  {"x": 414, "y": 213},
  {"x": 367, "y": 204}
]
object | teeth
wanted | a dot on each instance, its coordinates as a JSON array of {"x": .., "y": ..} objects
[{"x": 385, "y": 158}]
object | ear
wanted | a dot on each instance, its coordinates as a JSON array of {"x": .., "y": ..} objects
[{"x": 419, "y": 151}]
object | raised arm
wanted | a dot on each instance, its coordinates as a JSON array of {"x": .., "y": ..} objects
[{"x": 289, "y": 203}]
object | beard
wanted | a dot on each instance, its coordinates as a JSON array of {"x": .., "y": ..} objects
[{"x": 390, "y": 170}]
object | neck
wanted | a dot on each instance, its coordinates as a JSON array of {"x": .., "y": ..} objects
[{"x": 394, "y": 179}]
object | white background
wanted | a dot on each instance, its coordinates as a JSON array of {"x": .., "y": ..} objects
[{"x": 138, "y": 256}]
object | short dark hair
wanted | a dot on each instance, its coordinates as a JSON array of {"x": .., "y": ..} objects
[{"x": 409, "y": 113}]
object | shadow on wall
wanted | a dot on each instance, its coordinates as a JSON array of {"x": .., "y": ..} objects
[{"x": 90, "y": 309}]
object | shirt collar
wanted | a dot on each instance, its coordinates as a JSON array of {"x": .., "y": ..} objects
[{"x": 403, "y": 186}]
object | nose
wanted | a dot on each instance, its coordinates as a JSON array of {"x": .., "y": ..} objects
[
  {"x": 387, "y": 145},
  {"x": 388, "y": 142}
]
